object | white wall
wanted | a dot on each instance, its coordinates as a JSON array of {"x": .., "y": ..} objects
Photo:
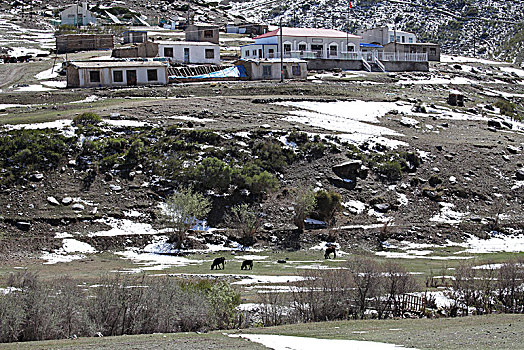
[
  {"x": 106, "y": 76},
  {"x": 295, "y": 43},
  {"x": 197, "y": 53},
  {"x": 70, "y": 14},
  {"x": 257, "y": 70}
]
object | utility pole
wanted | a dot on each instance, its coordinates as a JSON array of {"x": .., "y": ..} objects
[
  {"x": 347, "y": 30},
  {"x": 281, "y": 54}
]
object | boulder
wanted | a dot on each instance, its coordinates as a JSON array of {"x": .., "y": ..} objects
[
  {"x": 23, "y": 225},
  {"x": 348, "y": 184},
  {"x": 348, "y": 170},
  {"x": 382, "y": 207},
  {"x": 52, "y": 200},
  {"x": 520, "y": 174},
  {"x": 494, "y": 124},
  {"x": 37, "y": 177},
  {"x": 67, "y": 200},
  {"x": 512, "y": 149},
  {"x": 78, "y": 207},
  {"x": 115, "y": 188}
]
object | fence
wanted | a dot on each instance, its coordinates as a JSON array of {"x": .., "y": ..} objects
[{"x": 357, "y": 56}]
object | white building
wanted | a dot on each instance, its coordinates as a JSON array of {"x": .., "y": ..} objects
[
  {"x": 77, "y": 15},
  {"x": 189, "y": 52},
  {"x": 303, "y": 43},
  {"x": 386, "y": 34},
  {"x": 116, "y": 73}
]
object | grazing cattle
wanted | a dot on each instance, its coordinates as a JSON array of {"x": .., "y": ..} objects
[
  {"x": 329, "y": 250},
  {"x": 217, "y": 262},
  {"x": 247, "y": 265}
]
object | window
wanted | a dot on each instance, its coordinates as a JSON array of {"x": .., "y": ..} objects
[
  {"x": 210, "y": 53},
  {"x": 398, "y": 37},
  {"x": 351, "y": 48},
  {"x": 208, "y": 33},
  {"x": 271, "y": 53},
  {"x": 266, "y": 71},
  {"x": 296, "y": 69},
  {"x": 254, "y": 52},
  {"x": 168, "y": 52},
  {"x": 152, "y": 75},
  {"x": 94, "y": 76},
  {"x": 333, "y": 50},
  {"x": 391, "y": 38},
  {"x": 287, "y": 48},
  {"x": 302, "y": 47},
  {"x": 118, "y": 76},
  {"x": 403, "y": 39},
  {"x": 433, "y": 51},
  {"x": 410, "y": 40}
]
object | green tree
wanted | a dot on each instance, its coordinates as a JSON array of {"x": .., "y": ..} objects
[
  {"x": 304, "y": 203},
  {"x": 245, "y": 221},
  {"x": 181, "y": 211}
]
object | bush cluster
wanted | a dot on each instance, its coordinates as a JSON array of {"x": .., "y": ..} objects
[{"x": 37, "y": 310}]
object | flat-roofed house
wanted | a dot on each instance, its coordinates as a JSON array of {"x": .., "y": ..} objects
[
  {"x": 189, "y": 52},
  {"x": 202, "y": 32},
  {"x": 302, "y": 43},
  {"x": 116, "y": 73},
  {"x": 269, "y": 69},
  {"x": 83, "y": 42}
]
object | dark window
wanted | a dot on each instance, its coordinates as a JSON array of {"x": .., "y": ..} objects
[
  {"x": 333, "y": 50},
  {"x": 287, "y": 48},
  {"x": 118, "y": 76},
  {"x": 302, "y": 47},
  {"x": 152, "y": 75},
  {"x": 94, "y": 76},
  {"x": 296, "y": 69},
  {"x": 210, "y": 53},
  {"x": 433, "y": 51},
  {"x": 168, "y": 52},
  {"x": 208, "y": 33},
  {"x": 351, "y": 48},
  {"x": 271, "y": 53},
  {"x": 266, "y": 71}
]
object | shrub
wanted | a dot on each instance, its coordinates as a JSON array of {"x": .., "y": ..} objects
[
  {"x": 245, "y": 221},
  {"x": 212, "y": 173},
  {"x": 327, "y": 204},
  {"x": 391, "y": 170},
  {"x": 87, "y": 119}
]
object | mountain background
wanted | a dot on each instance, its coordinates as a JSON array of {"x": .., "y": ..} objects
[{"x": 483, "y": 28}]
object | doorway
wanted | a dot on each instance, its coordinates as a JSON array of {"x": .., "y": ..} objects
[
  {"x": 131, "y": 77},
  {"x": 186, "y": 54}
]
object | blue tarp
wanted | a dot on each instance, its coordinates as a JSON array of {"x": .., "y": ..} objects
[
  {"x": 231, "y": 72},
  {"x": 371, "y": 45}
]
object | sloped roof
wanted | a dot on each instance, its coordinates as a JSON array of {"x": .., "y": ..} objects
[{"x": 308, "y": 32}]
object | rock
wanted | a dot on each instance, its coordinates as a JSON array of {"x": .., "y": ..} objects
[
  {"x": 494, "y": 124},
  {"x": 52, "y": 200},
  {"x": 265, "y": 126},
  {"x": 108, "y": 177},
  {"x": 520, "y": 174},
  {"x": 456, "y": 98},
  {"x": 342, "y": 183},
  {"x": 115, "y": 188},
  {"x": 506, "y": 158},
  {"x": 37, "y": 177},
  {"x": 348, "y": 170},
  {"x": 23, "y": 225},
  {"x": 78, "y": 207},
  {"x": 281, "y": 261},
  {"x": 267, "y": 226},
  {"x": 382, "y": 207},
  {"x": 432, "y": 194},
  {"x": 67, "y": 200},
  {"x": 448, "y": 157},
  {"x": 512, "y": 149},
  {"x": 434, "y": 180}
]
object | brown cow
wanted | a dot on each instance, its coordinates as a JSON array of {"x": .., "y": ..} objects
[
  {"x": 247, "y": 265},
  {"x": 329, "y": 250},
  {"x": 217, "y": 262}
]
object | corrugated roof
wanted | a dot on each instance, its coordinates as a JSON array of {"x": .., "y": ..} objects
[
  {"x": 308, "y": 32},
  {"x": 118, "y": 64}
]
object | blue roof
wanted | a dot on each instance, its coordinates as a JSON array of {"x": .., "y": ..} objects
[
  {"x": 371, "y": 45},
  {"x": 231, "y": 72}
]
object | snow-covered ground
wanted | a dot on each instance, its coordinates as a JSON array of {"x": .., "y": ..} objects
[
  {"x": 354, "y": 120},
  {"x": 284, "y": 342}
]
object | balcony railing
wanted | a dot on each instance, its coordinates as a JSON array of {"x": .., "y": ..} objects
[{"x": 356, "y": 56}]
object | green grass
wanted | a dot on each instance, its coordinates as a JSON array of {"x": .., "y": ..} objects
[{"x": 474, "y": 332}]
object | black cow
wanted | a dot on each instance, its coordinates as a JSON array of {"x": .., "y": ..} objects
[
  {"x": 217, "y": 262},
  {"x": 247, "y": 265},
  {"x": 329, "y": 250}
]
